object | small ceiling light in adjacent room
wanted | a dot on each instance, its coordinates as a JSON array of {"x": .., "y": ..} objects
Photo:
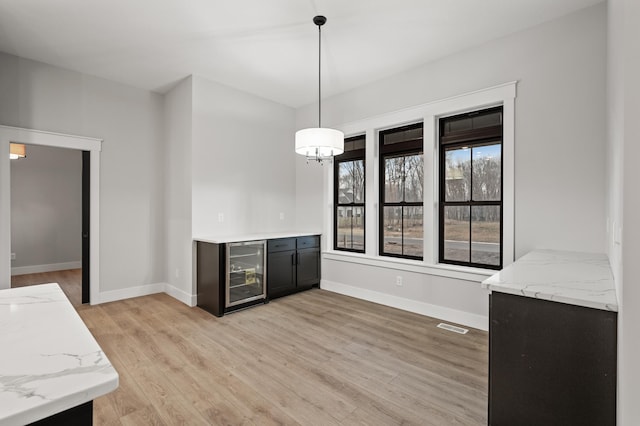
[
  {"x": 17, "y": 150},
  {"x": 318, "y": 143}
]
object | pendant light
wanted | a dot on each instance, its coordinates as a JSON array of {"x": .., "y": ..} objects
[{"x": 318, "y": 143}]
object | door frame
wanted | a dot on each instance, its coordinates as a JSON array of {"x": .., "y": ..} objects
[
  {"x": 10, "y": 134},
  {"x": 86, "y": 225}
]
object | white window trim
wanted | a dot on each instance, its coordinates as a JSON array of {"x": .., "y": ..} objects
[{"x": 429, "y": 114}]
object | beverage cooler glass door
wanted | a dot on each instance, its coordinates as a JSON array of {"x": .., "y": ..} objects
[{"x": 246, "y": 264}]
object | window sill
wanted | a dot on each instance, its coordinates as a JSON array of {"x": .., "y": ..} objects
[{"x": 476, "y": 275}]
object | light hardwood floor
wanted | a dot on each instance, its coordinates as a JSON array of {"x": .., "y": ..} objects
[
  {"x": 70, "y": 281},
  {"x": 315, "y": 358}
]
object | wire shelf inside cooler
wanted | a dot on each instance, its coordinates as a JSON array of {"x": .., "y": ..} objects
[{"x": 245, "y": 273}]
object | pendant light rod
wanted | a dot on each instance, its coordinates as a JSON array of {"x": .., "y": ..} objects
[{"x": 319, "y": 21}]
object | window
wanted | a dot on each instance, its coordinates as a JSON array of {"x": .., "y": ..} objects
[
  {"x": 401, "y": 192},
  {"x": 348, "y": 192},
  {"x": 444, "y": 188},
  {"x": 471, "y": 189}
]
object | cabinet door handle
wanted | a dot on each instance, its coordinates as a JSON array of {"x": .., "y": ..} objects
[
  {"x": 297, "y": 258},
  {"x": 293, "y": 258}
]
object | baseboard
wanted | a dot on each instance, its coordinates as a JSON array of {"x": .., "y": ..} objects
[
  {"x": 446, "y": 314},
  {"x": 184, "y": 297},
  {"x": 128, "y": 293},
  {"x": 145, "y": 290},
  {"x": 51, "y": 267}
]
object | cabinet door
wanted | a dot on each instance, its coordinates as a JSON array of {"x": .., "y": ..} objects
[
  {"x": 281, "y": 275},
  {"x": 550, "y": 363},
  {"x": 308, "y": 271}
]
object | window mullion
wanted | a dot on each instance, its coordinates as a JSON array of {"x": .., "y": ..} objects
[
  {"x": 351, "y": 227},
  {"x": 470, "y": 201}
]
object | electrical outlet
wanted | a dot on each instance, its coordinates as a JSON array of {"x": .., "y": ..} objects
[
  {"x": 221, "y": 217},
  {"x": 177, "y": 273},
  {"x": 281, "y": 216},
  {"x": 13, "y": 256},
  {"x": 617, "y": 235},
  {"x": 399, "y": 280}
]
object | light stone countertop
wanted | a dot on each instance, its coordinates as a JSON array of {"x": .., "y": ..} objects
[
  {"x": 582, "y": 279},
  {"x": 252, "y": 237},
  {"x": 49, "y": 361}
]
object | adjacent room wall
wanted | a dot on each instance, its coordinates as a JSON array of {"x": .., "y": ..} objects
[
  {"x": 46, "y": 210},
  {"x": 559, "y": 143},
  {"x": 132, "y": 232}
]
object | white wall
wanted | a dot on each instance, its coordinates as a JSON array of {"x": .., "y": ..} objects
[
  {"x": 243, "y": 162},
  {"x": 624, "y": 200},
  {"x": 559, "y": 139},
  {"x": 40, "y": 96},
  {"x": 177, "y": 181},
  {"x": 615, "y": 133},
  {"x": 46, "y": 207},
  {"x": 229, "y": 153}
]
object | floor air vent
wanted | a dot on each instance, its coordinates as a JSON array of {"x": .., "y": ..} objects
[{"x": 453, "y": 328}]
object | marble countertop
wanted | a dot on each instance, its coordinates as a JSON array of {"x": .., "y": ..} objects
[
  {"x": 49, "y": 361},
  {"x": 582, "y": 279},
  {"x": 253, "y": 237}
]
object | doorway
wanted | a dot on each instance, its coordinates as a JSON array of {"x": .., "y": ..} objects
[
  {"x": 91, "y": 182},
  {"x": 50, "y": 219}
]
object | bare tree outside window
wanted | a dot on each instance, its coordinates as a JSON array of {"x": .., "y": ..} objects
[
  {"x": 402, "y": 192},
  {"x": 471, "y": 189},
  {"x": 349, "y": 193}
]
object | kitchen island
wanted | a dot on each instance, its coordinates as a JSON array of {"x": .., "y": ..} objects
[
  {"x": 553, "y": 341},
  {"x": 51, "y": 367}
]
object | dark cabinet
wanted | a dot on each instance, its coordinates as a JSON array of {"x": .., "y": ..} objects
[
  {"x": 550, "y": 363},
  {"x": 281, "y": 272},
  {"x": 293, "y": 264},
  {"x": 210, "y": 277}
]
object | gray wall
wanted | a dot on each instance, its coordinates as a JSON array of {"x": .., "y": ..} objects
[
  {"x": 243, "y": 162},
  {"x": 559, "y": 144},
  {"x": 177, "y": 180},
  {"x": 623, "y": 195},
  {"x": 46, "y": 207},
  {"x": 132, "y": 232},
  {"x": 229, "y": 152},
  {"x": 559, "y": 131}
]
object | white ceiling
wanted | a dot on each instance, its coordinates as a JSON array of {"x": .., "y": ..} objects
[{"x": 265, "y": 47}]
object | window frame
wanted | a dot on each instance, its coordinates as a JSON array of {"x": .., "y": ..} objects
[
  {"x": 406, "y": 148},
  {"x": 469, "y": 138},
  {"x": 347, "y": 156},
  {"x": 429, "y": 112}
]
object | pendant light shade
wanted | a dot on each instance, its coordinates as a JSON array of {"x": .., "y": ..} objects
[{"x": 319, "y": 143}]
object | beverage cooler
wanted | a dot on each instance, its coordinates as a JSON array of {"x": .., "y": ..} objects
[
  {"x": 245, "y": 280},
  {"x": 231, "y": 276}
]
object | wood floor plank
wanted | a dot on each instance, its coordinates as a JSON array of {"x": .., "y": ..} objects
[
  {"x": 314, "y": 358},
  {"x": 145, "y": 416},
  {"x": 70, "y": 282}
]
